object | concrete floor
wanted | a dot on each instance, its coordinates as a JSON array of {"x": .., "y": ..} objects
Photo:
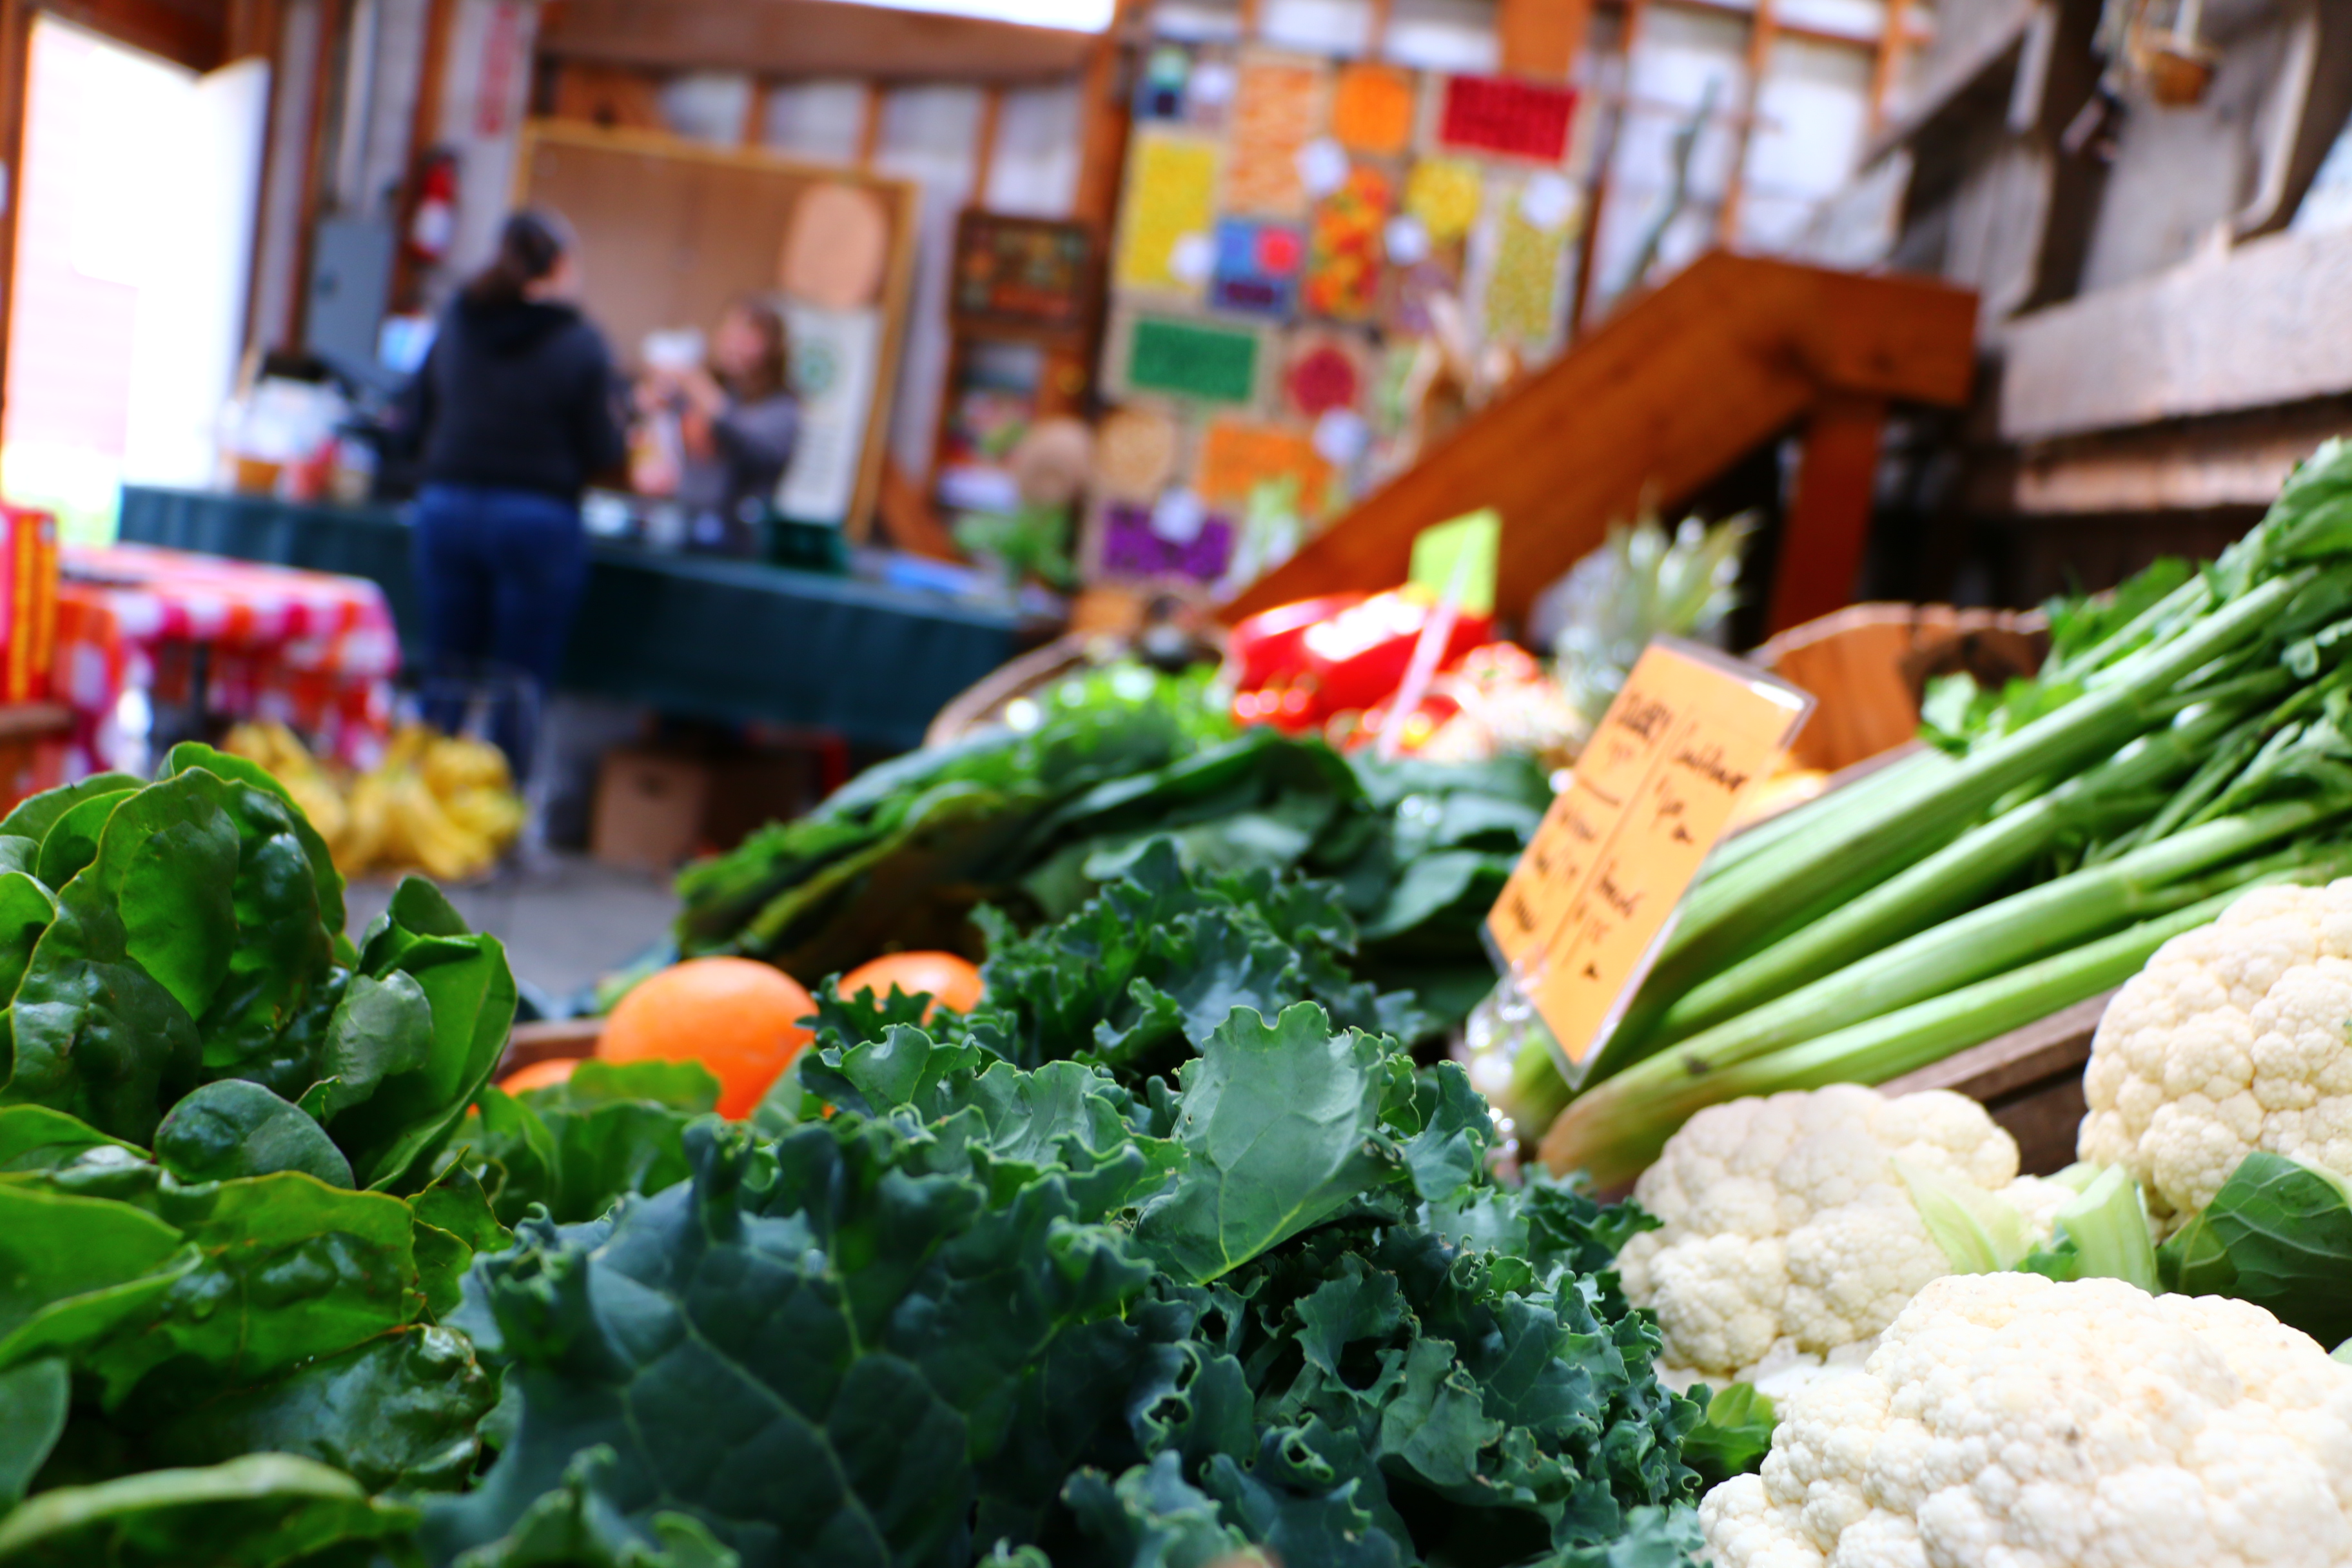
[{"x": 564, "y": 920}]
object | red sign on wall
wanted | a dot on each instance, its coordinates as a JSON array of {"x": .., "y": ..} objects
[{"x": 1515, "y": 119}]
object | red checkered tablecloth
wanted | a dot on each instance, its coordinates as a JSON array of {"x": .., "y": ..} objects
[{"x": 314, "y": 650}]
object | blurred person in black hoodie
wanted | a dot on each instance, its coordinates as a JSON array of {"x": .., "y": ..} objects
[{"x": 513, "y": 411}]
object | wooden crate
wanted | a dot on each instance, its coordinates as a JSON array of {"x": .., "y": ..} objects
[
  {"x": 2030, "y": 1079},
  {"x": 1868, "y": 664}
]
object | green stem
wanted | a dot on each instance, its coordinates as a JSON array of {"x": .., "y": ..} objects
[
  {"x": 1858, "y": 849},
  {"x": 1616, "y": 1130},
  {"x": 1954, "y": 879},
  {"x": 1993, "y": 940}
]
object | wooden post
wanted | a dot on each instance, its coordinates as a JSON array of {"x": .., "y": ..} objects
[
  {"x": 869, "y": 128},
  {"x": 423, "y": 134},
  {"x": 1760, "y": 33},
  {"x": 1886, "y": 62},
  {"x": 16, "y": 64},
  {"x": 755, "y": 114},
  {"x": 1611, "y": 117},
  {"x": 984, "y": 144},
  {"x": 1828, "y": 525},
  {"x": 1103, "y": 118},
  {"x": 334, "y": 15}
]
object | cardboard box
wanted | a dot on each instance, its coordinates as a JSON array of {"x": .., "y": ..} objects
[
  {"x": 658, "y": 808},
  {"x": 649, "y": 808}
]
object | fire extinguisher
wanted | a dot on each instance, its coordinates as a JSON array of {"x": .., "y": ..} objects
[{"x": 432, "y": 223}]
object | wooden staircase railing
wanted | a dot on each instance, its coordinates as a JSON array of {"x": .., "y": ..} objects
[{"x": 1733, "y": 351}]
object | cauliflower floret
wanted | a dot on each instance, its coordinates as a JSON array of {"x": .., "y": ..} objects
[
  {"x": 2233, "y": 1039},
  {"x": 1785, "y": 1230},
  {"x": 2008, "y": 1420}
]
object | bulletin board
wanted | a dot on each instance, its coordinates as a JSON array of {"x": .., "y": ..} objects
[
  {"x": 1289, "y": 227},
  {"x": 671, "y": 231}
]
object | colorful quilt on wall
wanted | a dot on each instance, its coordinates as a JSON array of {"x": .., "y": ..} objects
[{"x": 1294, "y": 233}]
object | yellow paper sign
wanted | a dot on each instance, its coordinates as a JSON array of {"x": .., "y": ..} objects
[{"x": 1587, "y": 905}]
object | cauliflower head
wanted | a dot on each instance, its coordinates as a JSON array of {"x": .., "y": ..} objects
[
  {"x": 2007, "y": 1420},
  {"x": 1785, "y": 1233},
  {"x": 2236, "y": 1036}
]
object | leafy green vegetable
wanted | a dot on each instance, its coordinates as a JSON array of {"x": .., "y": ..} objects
[
  {"x": 578, "y": 1147},
  {"x": 1734, "y": 1436},
  {"x": 252, "y": 1512},
  {"x": 2278, "y": 1234},
  {"x": 34, "y": 1396},
  {"x": 1138, "y": 978},
  {"x": 1038, "y": 823},
  {"x": 1286, "y": 1123},
  {"x": 982, "y": 1308},
  {"x": 2101, "y": 1233},
  {"x": 178, "y": 941},
  {"x": 233, "y": 1128}
]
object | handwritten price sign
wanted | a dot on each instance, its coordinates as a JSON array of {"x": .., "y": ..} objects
[{"x": 1590, "y": 901}]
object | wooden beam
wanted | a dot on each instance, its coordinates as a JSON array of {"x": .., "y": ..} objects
[
  {"x": 984, "y": 142},
  {"x": 1886, "y": 62},
  {"x": 2270, "y": 323},
  {"x": 1828, "y": 525},
  {"x": 1613, "y": 121},
  {"x": 1675, "y": 387},
  {"x": 755, "y": 114},
  {"x": 1376, "y": 35},
  {"x": 1539, "y": 37},
  {"x": 805, "y": 38},
  {"x": 869, "y": 126},
  {"x": 16, "y": 61},
  {"x": 1761, "y": 30},
  {"x": 1104, "y": 112},
  {"x": 423, "y": 134},
  {"x": 193, "y": 33},
  {"x": 334, "y": 17},
  {"x": 252, "y": 30}
]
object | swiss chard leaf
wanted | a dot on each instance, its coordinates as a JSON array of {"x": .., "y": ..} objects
[
  {"x": 233, "y": 1128},
  {"x": 399, "y": 1410},
  {"x": 33, "y": 1398},
  {"x": 93, "y": 1035},
  {"x": 246, "y": 1278}
]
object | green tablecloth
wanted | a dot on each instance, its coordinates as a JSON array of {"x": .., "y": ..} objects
[{"x": 726, "y": 640}]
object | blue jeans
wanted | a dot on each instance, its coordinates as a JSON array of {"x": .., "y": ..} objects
[{"x": 501, "y": 572}]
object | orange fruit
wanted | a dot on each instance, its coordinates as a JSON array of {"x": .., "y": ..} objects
[
  {"x": 741, "y": 1019},
  {"x": 544, "y": 1073},
  {"x": 951, "y": 982}
]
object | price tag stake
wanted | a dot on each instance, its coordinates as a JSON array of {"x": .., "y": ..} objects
[{"x": 1595, "y": 895}]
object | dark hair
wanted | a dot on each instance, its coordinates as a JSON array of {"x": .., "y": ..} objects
[
  {"x": 530, "y": 247},
  {"x": 773, "y": 373}
]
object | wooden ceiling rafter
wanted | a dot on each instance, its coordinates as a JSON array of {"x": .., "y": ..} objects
[{"x": 801, "y": 39}]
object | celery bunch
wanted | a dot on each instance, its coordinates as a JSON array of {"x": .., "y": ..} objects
[{"x": 2191, "y": 741}]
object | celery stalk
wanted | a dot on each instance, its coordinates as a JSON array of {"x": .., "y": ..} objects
[
  {"x": 1954, "y": 879},
  {"x": 1617, "y": 1129},
  {"x": 1779, "y": 889},
  {"x": 1998, "y": 936}
]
